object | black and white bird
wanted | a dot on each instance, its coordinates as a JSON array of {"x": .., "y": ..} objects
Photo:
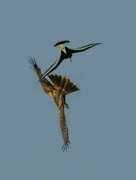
[{"x": 66, "y": 53}]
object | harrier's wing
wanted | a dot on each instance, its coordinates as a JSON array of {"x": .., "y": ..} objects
[
  {"x": 64, "y": 129},
  {"x": 83, "y": 48},
  {"x": 35, "y": 67},
  {"x": 45, "y": 83}
]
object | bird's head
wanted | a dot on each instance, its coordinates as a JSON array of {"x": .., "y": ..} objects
[{"x": 65, "y": 42}]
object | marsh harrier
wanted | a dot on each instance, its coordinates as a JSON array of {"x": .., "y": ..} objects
[{"x": 57, "y": 88}]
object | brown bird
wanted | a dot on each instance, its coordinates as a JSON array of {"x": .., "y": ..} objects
[{"x": 58, "y": 88}]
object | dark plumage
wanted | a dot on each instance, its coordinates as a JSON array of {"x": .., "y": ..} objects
[{"x": 66, "y": 53}]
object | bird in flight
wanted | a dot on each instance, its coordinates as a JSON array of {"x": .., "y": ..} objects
[
  {"x": 66, "y": 53},
  {"x": 57, "y": 88}
]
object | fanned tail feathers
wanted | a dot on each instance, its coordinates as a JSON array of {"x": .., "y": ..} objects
[{"x": 64, "y": 83}]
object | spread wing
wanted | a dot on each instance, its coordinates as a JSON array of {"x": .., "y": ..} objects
[
  {"x": 64, "y": 129},
  {"x": 83, "y": 48},
  {"x": 45, "y": 83},
  {"x": 53, "y": 66},
  {"x": 35, "y": 67}
]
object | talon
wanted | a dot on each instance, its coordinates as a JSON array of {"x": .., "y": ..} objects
[{"x": 66, "y": 106}]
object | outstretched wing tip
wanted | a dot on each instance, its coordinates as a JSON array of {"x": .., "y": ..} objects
[
  {"x": 31, "y": 60},
  {"x": 65, "y": 146}
]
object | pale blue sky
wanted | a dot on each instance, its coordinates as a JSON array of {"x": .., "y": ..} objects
[{"x": 102, "y": 116}]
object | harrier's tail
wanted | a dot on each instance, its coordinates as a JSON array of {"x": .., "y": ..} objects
[{"x": 64, "y": 83}]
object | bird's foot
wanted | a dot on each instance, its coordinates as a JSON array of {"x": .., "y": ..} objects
[{"x": 66, "y": 105}]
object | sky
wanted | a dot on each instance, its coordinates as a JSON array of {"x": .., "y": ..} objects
[{"x": 102, "y": 115}]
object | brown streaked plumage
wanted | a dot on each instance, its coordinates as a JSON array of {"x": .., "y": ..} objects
[{"x": 58, "y": 88}]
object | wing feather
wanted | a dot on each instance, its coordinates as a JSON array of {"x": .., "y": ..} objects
[
  {"x": 64, "y": 129},
  {"x": 53, "y": 66},
  {"x": 83, "y": 48}
]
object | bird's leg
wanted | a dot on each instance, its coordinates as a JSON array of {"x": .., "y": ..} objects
[
  {"x": 70, "y": 59},
  {"x": 65, "y": 104}
]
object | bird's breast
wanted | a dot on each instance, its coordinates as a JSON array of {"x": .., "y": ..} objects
[{"x": 66, "y": 55}]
